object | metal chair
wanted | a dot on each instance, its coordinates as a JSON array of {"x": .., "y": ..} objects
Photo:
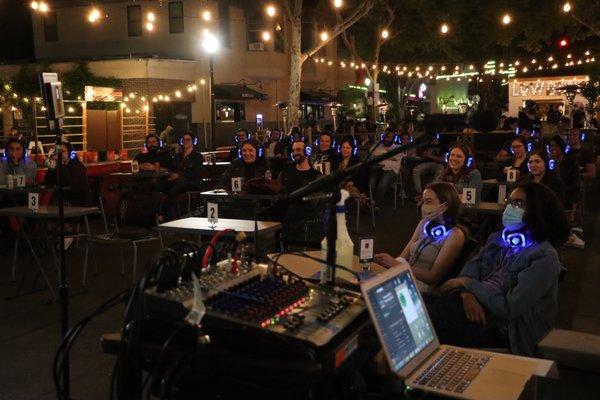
[
  {"x": 119, "y": 238},
  {"x": 399, "y": 186},
  {"x": 370, "y": 203}
]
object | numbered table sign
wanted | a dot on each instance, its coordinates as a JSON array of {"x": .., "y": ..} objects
[
  {"x": 207, "y": 159},
  {"x": 20, "y": 180},
  {"x": 236, "y": 184},
  {"x": 212, "y": 213},
  {"x": 318, "y": 166},
  {"x": 469, "y": 195},
  {"x": 135, "y": 166},
  {"x": 501, "y": 194},
  {"x": 33, "y": 201},
  {"x": 511, "y": 175},
  {"x": 366, "y": 251}
]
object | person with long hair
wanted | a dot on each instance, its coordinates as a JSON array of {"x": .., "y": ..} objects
[
  {"x": 437, "y": 241},
  {"x": 542, "y": 170},
  {"x": 507, "y": 294},
  {"x": 348, "y": 156},
  {"x": 461, "y": 170},
  {"x": 249, "y": 165}
]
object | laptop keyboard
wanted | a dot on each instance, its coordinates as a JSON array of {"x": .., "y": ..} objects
[{"x": 453, "y": 370}]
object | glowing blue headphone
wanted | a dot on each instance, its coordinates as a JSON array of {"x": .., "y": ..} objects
[
  {"x": 395, "y": 139},
  {"x": 333, "y": 143},
  {"x": 400, "y": 139},
  {"x": 260, "y": 152},
  {"x": 550, "y": 165},
  {"x": 582, "y": 136},
  {"x": 194, "y": 138},
  {"x": 469, "y": 160},
  {"x": 436, "y": 231},
  {"x": 354, "y": 147},
  {"x": 72, "y": 154},
  {"x": 515, "y": 240},
  {"x": 307, "y": 151}
]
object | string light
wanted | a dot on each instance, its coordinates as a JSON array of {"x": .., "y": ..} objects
[
  {"x": 34, "y": 5},
  {"x": 444, "y": 28},
  {"x": 566, "y": 7},
  {"x": 324, "y": 36},
  {"x": 506, "y": 19},
  {"x": 338, "y": 3},
  {"x": 150, "y": 16},
  {"x": 206, "y": 15},
  {"x": 43, "y": 7},
  {"x": 202, "y": 81},
  {"x": 271, "y": 11},
  {"x": 385, "y": 34},
  {"x": 149, "y": 26},
  {"x": 178, "y": 93},
  {"x": 266, "y": 36}
]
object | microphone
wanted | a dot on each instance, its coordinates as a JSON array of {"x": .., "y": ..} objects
[{"x": 317, "y": 196}]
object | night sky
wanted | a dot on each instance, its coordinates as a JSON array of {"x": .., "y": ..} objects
[{"x": 16, "y": 41}]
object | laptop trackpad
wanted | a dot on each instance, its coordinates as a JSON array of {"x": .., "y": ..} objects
[{"x": 503, "y": 378}]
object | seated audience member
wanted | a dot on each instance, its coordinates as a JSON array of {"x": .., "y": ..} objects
[
  {"x": 240, "y": 136},
  {"x": 275, "y": 147},
  {"x": 507, "y": 294},
  {"x": 533, "y": 141},
  {"x": 293, "y": 177},
  {"x": 461, "y": 170},
  {"x": 542, "y": 170},
  {"x": 355, "y": 185},
  {"x": 186, "y": 172},
  {"x": 325, "y": 156},
  {"x": 249, "y": 165},
  {"x": 437, "y": 242},
  {"x": 73, "y": 175},
  {"x": 518, "y": 161},
  {"x": 383, "y": 175},
  {"x": 433, "y": 158},
  {"x": 155, "y": 159},
  {"x": 17, "y": 163},
  {"x": 585, "y": 158}
]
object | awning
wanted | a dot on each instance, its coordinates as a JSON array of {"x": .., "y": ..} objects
[
  {"x": 237, "y": 92},
  {"x": 320, "y": 98}
]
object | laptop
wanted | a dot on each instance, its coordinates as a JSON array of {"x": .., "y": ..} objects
[{"x": 415, "y": 355}]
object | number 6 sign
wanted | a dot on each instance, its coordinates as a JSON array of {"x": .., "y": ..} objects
[{"x": 236, "y": 184}]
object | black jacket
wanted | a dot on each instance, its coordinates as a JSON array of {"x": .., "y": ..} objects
[
  {"x": 239, "y": 168},
  {"x": 190, "y": 167}
]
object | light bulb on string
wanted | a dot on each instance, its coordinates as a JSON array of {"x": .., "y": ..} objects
[
  {"x": 34, "y": 5},
  {"x": 324, "y": 36},
  {"x": 266, "y": 36},
  {"x": 444, "y": 28},
  {"x": 43, "y": 7},
  {"x": 338, "y": 3},
  {"x": 150, "y": 16},
  {"x": 385, "y": 34},
  {"x": 567, "y": 7},
  {"x": 506, "y": 19},
  {"x": 149, "y": 26},
  {"x": 271, "y": 11},
  {"x": 206, "y": 15}
]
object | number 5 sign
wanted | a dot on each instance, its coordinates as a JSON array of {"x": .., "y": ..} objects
[
  {"x": 212, "y": 213},
  {"x": 469, "y": 195}
]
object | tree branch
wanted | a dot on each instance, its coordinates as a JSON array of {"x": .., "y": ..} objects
[{"x": 362, "y": 10}]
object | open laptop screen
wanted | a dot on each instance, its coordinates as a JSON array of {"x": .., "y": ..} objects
[{"x": 402, "y": 318}]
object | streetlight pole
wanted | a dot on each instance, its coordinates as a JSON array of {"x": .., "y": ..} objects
[{"x": 213, "y": 137}]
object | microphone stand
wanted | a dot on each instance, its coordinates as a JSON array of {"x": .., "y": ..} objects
[{"x": 330, "y": 182}]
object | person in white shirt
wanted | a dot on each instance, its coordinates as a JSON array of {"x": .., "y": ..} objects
[{"x": 384, "y": 174}]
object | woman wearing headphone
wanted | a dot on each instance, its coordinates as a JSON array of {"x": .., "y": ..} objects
[
  {"x": 518, "y": 161},
  {"x": 461, "y": 171},
  {"x": 186, "y": 172},
  {"x": 73, "y": 174},
  {"x": 250, "y": 164},
  {"x": 348, "y": 156},
  {"x": 542, "y": 170},
  {"x": 16, "y": 162},
  {"x": 507, "y": 294},
  {"x": 437, "y": 242}
]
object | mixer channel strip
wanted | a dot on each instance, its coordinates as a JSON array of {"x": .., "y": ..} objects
[{"x": 262, "y": 300}]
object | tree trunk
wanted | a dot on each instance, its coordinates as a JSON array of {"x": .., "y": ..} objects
[
  {"x": 373, "y": 107},
  {"x": 297, "y": 59}
]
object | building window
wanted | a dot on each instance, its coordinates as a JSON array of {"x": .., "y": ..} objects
[
  {"x": 230, "y": 112},
  {"x": 224, "y": 30},
  {"x": 255, "y": 25},
  {"x": 176, "y": 17},
  {"x": 134, "y": 20},
  {"x": 279, "y": 40},
  {"x": 50, "y": 27}
]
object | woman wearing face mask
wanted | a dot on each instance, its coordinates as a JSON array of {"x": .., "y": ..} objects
[
  {"x": 507, "y": 294},
  {"x": 437, "y": 241}
]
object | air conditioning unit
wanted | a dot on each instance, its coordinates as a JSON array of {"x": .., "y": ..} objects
[{"x": 256, "y": 46}]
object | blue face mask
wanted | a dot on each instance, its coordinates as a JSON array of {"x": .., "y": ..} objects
[{"x": 512, "y": 217}]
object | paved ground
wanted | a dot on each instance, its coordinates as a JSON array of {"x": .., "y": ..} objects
[{"x": 29, "y": 331}]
